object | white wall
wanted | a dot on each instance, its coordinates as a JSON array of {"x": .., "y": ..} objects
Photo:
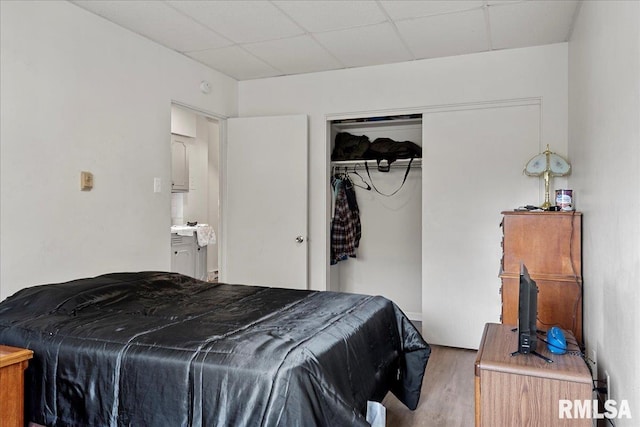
[
  {"x": 539, "y": 72},
  {"x": 80, "y": 93},
  {"x": 604, "y": 124}
]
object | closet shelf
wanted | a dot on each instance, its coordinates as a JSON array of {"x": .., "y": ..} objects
[
  {"x": 417, "y": 163},
  {"x": 373, "y": 122}
]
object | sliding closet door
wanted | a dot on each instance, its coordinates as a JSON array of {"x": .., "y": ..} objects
[
  {"x": 265, "y": 221},
  {"x": 472, "y": 172}
]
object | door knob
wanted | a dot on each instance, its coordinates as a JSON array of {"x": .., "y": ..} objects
[{"x": 299, "y": 239}]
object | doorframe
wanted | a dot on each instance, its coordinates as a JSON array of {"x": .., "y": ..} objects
[{"x": 222, "y": 126}]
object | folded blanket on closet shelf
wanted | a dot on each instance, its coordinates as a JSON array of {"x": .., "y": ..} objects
[{"x": 205, "y": 234}]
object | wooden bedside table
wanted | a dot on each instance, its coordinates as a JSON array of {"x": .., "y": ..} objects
[
  {"x": 524, "y": 390},
  {"x": 13, "y": 362}
]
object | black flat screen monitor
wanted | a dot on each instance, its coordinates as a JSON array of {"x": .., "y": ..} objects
[{"x": 527, "y": 312}]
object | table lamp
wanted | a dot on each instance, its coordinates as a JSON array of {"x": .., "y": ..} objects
[{"x": 547, "y": 164}]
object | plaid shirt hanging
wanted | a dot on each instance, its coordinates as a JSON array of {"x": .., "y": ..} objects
[{"x": 345, "y": 227}]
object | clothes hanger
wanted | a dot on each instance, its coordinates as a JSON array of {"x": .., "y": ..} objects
[
  {"x": 347, "y": 178},
  {"x": 366, "y": 185}
]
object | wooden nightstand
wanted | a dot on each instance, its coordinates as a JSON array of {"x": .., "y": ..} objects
[
  {"x": 524, "y": 390},
  {"x": 13, "y": 362}
]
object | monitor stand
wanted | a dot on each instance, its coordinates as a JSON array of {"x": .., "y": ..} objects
[{"x": 535, "y": 353}]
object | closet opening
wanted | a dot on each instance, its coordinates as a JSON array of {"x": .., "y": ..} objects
[{"x": 388, "y": 258}]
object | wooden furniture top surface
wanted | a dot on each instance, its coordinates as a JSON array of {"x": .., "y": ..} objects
[
  {"x": 11, "y": 355},
  {"x": 500, "y": 341},
  {"x": 552, "y": 213}
]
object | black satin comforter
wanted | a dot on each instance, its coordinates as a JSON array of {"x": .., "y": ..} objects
[{"x": 162, "y": 349}]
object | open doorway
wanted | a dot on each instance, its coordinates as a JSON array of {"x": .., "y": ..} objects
[{"x": 195, "y": 194}]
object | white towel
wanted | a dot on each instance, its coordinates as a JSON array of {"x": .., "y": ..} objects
[
  {"x": 183, "y": 230},
  {"x": 205, "y": 234}
]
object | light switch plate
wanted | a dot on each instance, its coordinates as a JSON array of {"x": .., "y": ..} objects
[{"x": 86, "y": 181}]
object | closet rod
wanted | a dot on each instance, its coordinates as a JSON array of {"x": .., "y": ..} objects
[{"x": 400, "y": 163}]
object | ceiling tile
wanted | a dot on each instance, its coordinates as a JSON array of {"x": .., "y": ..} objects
[
  {"x": 235, "y": 62},
  {"x": 374, "y": 44},
  {"x": 157, "y": 21},
  {"x": 294, "y": 55},
  {"x": 254, "y": 39},
  {"x": 318, "y": 16},
  {"x": 408, "y": 9},
  {"x": 445, "y": 35},
  {"x": 530, "y": 23},
  {"x": 241, "y": 21}
]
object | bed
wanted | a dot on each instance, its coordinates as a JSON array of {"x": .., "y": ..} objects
[{"x": 163, "y": 349}]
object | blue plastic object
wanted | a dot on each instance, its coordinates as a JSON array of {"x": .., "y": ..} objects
[{"x": 556, "y": 341}]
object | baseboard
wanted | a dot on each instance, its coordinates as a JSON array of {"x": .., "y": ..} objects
[{"x": 416, "y": 317}]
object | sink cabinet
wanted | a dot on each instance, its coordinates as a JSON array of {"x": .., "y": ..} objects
[
  {"x": 201, "y": 262},
  {"x": 183, "y": 255},
  {"x": 187, "y": 257}
]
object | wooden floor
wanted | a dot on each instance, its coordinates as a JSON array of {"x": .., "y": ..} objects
[{"x": 447, "y": 393}]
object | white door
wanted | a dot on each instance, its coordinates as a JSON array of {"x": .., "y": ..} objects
[
  {"x": 472, "y": 170},
  {"x": 265, "y": 202}
]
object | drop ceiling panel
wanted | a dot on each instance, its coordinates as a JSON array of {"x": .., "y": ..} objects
[
  {"x": 241, "y": 21},
  {"x": 410, "y": 9},
  {"x": 157, "y": 21},
  {"x": 445, "y": 35},
  {"x": 361, "y": 46},
  {"x": 235, "y": 61},
  {"x": 262, "y": 38},
  {"x": 530, "y": 23},
  {"x": 319, "y": 16},
  {"x": 294, "y": 55}
]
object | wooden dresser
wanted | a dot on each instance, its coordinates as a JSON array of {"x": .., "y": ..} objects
[
  {"x": 549, "y": 244},
  {"x": 13, "y": 362},
  {"x": 524, "y": 390}
]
